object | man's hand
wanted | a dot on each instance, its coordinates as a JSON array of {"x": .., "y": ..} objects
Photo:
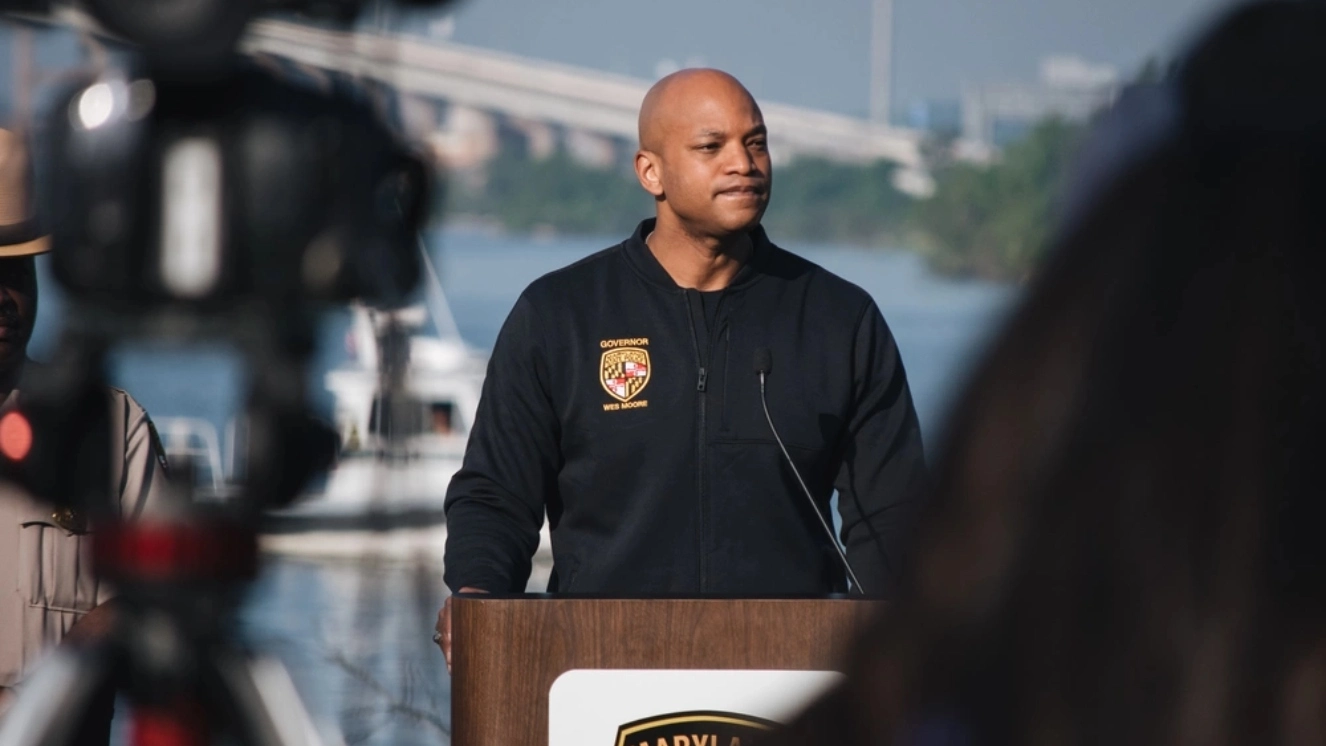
[{"x": 444, "y": 625}]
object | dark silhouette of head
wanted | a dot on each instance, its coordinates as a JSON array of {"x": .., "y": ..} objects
[{"x": 1125, "y": 539}]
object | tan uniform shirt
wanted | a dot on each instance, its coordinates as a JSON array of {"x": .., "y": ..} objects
[{"x": 46, "y": 578}]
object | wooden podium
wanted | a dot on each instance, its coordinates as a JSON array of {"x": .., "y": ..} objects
[{"x": 509, "y": 650}]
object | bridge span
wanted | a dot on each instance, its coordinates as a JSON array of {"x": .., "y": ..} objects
[{"x": 572, "y": 97}]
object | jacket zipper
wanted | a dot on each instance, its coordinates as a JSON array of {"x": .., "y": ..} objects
[
  {"x": 700, "y": 385},
  {"x": 723, "y": 414}
]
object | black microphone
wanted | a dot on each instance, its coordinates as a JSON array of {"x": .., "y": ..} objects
[{"x": 763, "y": 365}]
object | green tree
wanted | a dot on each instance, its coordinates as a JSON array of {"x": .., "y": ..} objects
[
  {"x": 994, "y": 221},
  {"x": 819, "y": 200},
  {"x": 557, "y": 193}
]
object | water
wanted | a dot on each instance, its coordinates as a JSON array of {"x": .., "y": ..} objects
[
  {"x": 357, "y": 639},
  {"x": 356, "y": 635}
]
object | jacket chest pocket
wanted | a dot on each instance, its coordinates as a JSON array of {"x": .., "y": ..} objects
[
  {"x": 804, "y": 420},
  {"x": 55, "y": 567}
]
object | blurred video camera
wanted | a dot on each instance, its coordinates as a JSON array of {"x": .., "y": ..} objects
[{"x": 197, "y": 196}]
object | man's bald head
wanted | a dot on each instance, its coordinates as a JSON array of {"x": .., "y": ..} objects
[
  {"x": 671, "y": 98},
  {"x": 704, "y": 154}
]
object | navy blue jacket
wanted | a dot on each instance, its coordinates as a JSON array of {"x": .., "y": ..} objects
[{"x": 612, "y": 406}]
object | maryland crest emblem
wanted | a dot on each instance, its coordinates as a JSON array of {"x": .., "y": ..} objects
[
  {"x": 624, "y": 372},
  {"x": 694, "y": 729}
]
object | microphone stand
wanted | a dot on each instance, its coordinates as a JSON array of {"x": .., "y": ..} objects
[{"x": 763, "y": 364}]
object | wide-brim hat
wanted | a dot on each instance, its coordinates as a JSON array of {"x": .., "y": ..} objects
[{"x": 20, "y": 231}]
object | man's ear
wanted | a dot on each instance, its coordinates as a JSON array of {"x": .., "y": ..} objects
[{"x": 648, "y": 169}]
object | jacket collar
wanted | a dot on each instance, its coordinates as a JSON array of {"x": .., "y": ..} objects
[{"x": 646, "y": 264}]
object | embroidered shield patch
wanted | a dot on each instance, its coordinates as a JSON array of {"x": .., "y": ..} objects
[{"x": 624, "y": 372}]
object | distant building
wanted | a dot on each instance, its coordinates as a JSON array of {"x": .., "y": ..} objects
[
  {"x": 996, "y": 114},
  {"x": 942, "y": 116}
]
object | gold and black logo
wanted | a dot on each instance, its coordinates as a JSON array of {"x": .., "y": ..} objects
[
  {"x": 700, "y": 728},
  {"x": 624, "y": 373}
]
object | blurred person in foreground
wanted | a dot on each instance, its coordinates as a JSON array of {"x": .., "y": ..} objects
[
  {"x": 1125, "y": 543},
  {"x": 622, "y": 399},
  {"x": 48, "y": 592}
]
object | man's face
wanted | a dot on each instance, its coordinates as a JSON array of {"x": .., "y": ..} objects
[
  {"x": 18, "y": 307},
  {"x": 715, "y": 169}
]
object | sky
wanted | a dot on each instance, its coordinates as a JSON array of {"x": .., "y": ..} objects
[
  {"x": 811, "y": 53},
  {"x": 816, "y": 52}
]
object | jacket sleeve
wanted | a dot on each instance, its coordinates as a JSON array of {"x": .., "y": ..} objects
[
  {"x": 882, "y": 475},
  {"x": 495, "y": 504}
]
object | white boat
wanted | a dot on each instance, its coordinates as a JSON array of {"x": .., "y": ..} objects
[
  {"x": 397, "y": 455},
  {"x": 395, "y": 462},
  {"x": 401, "y": 457},
  {"x": 384, "y": 495}
]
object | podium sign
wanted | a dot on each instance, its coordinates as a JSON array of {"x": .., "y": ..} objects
[
  {"x": 676, "y": 707},
  {"x": 684, "y": 671}
]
